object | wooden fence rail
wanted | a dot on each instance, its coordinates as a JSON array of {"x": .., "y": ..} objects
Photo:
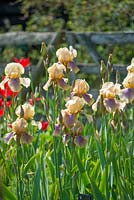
[
  {"x": 20, "y": 38},
  {"x": 89, "y": 40}
]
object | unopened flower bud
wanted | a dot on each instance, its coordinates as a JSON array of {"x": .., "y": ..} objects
[
  {"x": 109, "y": 65},
  {"x": 103, "y": 71},
  {"x": 117, "y": 76}
]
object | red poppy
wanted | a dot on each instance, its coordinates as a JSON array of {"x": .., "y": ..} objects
[
  {"x": 44, "y": 125},
  {"x": 25, "y": 62}
]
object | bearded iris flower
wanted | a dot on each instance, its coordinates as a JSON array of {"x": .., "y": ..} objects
[
  {"x": 108, "y": 94},
  {"x": 56, "y": 76},
  {"x": 110, "y": 90},
  {"x": 19, "y": 131},
  {"x": 72, "y": 127},
  {"x": 66, "y": 56},
  {"x": 76, "y": 133},
  {"x": 81, "y": 89},
  {"x": 26, "y": 111},
  {"x": 13, "y": 72},
  {"x": 75, "y": 104},
  {"x": 58, "y": 70}
]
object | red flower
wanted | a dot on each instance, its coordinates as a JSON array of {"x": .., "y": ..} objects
[
  {"x": 31, "y": 101},
  {"x": 25, "y": 62},
  {"x": 7, "y": 92},
  {"x": 1, "y": 107},
  {"x": 44, "y": 125},
  {"x": 1, "y": 112},
  {"x": 9, "y": 103},
  {"x": 10, "y": 125}
]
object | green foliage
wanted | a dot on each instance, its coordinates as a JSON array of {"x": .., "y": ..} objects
[
  {"x": 80, "y": 16},
  {"x": 8, "y": 194}
]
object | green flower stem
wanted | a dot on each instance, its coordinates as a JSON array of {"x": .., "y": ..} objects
[
  {"x": 44, "y": 176},
  {"x": 131, "y": 160},
  {"x": 55, "y": 143},
  {"x": 73, "y": 184},
  {"x": 13, "y": 107},
  {"x": 19, "y": 178},
  {"x": 65, "y": 164}
]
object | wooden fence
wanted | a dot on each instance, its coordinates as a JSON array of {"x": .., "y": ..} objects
[{"x": 88, "y": 40}]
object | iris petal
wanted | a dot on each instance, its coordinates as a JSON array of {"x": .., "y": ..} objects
[
  {"x": 80, "y": 141},
  {"x": 66, "y": 139},
  {"x": 47, "y": 85},
  {"x": 57, "y": 131},
  {"x": 14, "y": 84},
  {"x": 25, "y": 82},
  {"x": 8, "y": 137},
  {"x": 63, "y": 84},
  {"x": 26, "y": 138},
  {"x": 127, "y": 95},
  {"x": 112, "y": 105},
  {"x": 72, "y": 65},
  {"x": 88, "y": 98}
]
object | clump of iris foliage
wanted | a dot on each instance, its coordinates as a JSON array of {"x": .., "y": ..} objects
[{"x": 78, "y": 146}]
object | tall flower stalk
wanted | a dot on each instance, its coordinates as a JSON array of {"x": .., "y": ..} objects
[{"x": 67, "y": 125}]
